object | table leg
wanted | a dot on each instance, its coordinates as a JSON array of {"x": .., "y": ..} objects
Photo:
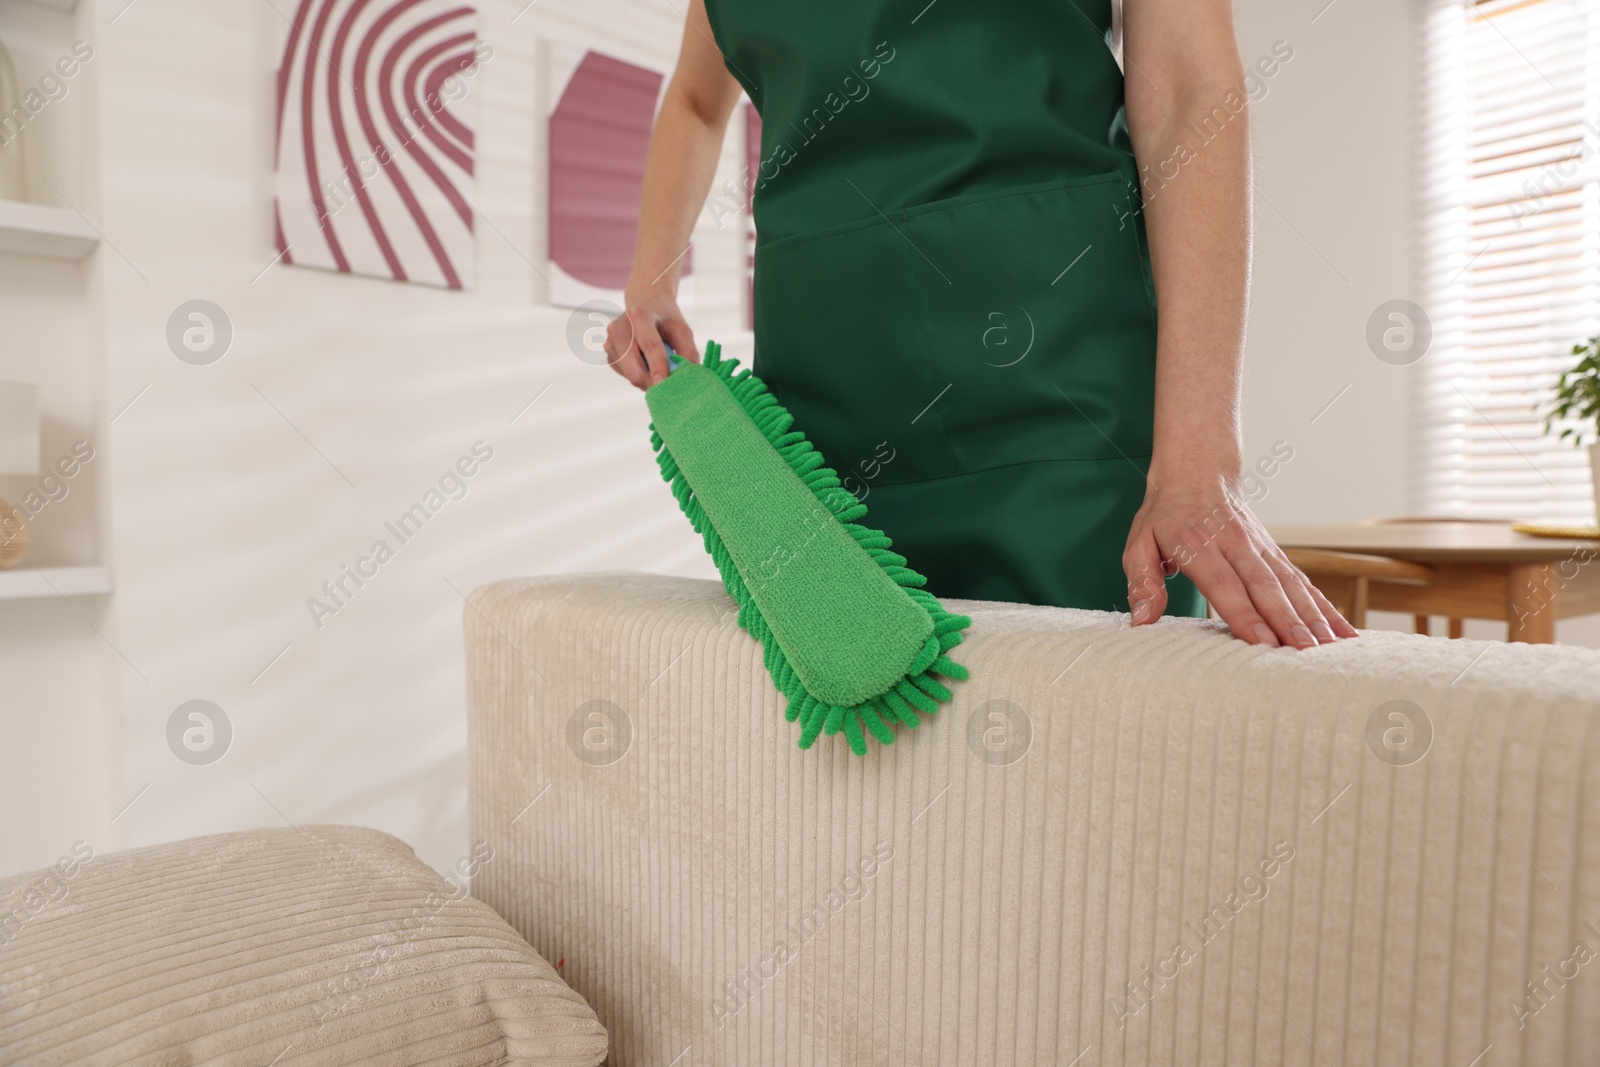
[
  {"x": 1359, "y": 593},
  {"x": 1347, "y": 594},
  {"x": 1531, "y": 603}
]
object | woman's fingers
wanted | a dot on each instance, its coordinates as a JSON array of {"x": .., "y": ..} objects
[
  {"x": 1253, "y": 587},
  {"x": 680, "y": 337},
  {"x": 621, "y": 353},
  {"x": 1267, "y": 593},
  {"x": 1299, "y": 591},
  {"x": 1219, "y": 583},
  {"x": 637, "y": 339},
  {"x": 647, "y": 340},
  {"x": 1141, "y": 562},
  {"x": 1341, "y": 625}
]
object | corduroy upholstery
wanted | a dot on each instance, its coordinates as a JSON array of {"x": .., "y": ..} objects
[
  {"x": 308, "y": 946},
  {"x": 1098, "y": 806}
]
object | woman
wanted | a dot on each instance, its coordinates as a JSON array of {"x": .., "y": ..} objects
[{"x": 956, "y": 280}]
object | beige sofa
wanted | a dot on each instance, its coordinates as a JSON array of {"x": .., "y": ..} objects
[{"x": 1116, "y": 846}]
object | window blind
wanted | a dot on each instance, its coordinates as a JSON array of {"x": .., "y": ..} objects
[{"x": 1509, "y": 257}]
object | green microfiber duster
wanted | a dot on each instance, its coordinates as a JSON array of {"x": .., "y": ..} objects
[{"x": 849, "y": 635}]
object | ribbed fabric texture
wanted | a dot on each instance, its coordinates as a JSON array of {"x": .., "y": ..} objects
[
  {"x": 967, "y": 897},
  {"x": 317, "y": 945}
]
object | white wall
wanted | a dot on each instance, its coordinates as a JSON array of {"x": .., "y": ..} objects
[
  {"x": 1333, "y": 169},
  {"x": 228, "y": 500},
  {"x": 225, "y": 519}
]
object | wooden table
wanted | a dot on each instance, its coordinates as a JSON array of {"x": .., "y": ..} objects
[{"x": 1480, "y": 571}]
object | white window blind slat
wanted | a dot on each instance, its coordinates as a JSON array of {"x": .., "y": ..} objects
[{"x": 1508, "y": 263}]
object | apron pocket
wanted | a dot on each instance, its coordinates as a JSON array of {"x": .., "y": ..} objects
[
  {"x": 839, "y": 344},
  {"x": 1037, "y": 311},
  {"x": 964, "y": 334}
]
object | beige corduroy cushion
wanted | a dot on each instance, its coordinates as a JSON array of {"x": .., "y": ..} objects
[{"x": 296, "y": 946}]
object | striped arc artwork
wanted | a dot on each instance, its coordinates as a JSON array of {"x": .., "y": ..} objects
[{"x": 374, "y": 144}]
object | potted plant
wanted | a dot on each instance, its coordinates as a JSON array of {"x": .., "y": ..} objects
[{"x": 1578, "y": 399}]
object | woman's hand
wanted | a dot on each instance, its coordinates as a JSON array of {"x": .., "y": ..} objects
[
  {"x": 636, "y": 340},
  {"x": 1198, "y": 222},
  {"x": 1196, "y": 522},
  {"x": 685, "y": 144}
]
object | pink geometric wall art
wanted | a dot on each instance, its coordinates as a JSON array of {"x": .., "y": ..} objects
[
  {"x": 375, "y": 116},
  {"x": 604, "y": 108}
]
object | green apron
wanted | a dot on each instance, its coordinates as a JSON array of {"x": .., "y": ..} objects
[{"x": 952, "y": 286}]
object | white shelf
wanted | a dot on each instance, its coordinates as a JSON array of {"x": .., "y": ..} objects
[
  {"x": 51, "y": 232},
  {"x": 21, "y": 583}
]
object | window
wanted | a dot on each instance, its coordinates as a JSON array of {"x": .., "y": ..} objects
[{"x": 1509, "y": 260}]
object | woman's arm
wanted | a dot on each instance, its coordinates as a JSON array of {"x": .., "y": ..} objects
[
  {"x": 1186, "y": 110},
  {"x": 677, "y": 176}
]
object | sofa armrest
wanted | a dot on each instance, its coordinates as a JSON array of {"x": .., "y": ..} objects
[{"x": 1162, "y": 844}]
